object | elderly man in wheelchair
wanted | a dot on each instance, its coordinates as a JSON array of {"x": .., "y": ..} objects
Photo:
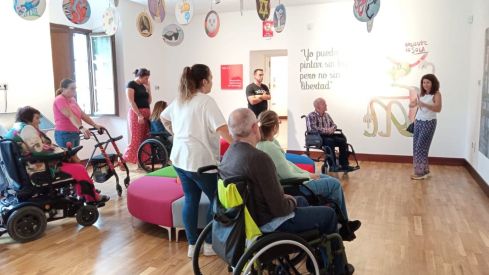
[
  {"x": 39, "y": 183},
  {"x": 258, "y": 228}
]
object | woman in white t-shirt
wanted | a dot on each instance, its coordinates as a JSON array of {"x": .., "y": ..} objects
[
  {"x": 196, "y": 123},
  {"x": 429, "y": 103}
]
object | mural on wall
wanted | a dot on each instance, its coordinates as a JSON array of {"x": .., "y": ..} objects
[
  {"x": 157, "y": 10},
  {"x": 144, "y": 25},
  {"x": 77, "y": 11},
  {"x": 484, "y": 127},
  {"x": 263, "y": 9},
  {"x": 30, "y": 9},
  {"x": 365, "y": 11},
  {"x": 212, "y": 24},
  {"x": 110, "y": 20},
  {"x": 172, "y": 35},
  {"x": 279, "y": 18},
  {"x": 184, "y": 10},
  {"x": 393, "y": 105}
]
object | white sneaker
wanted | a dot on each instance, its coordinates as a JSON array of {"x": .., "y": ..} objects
[
  {"x": 191, "y": 250},
  {"x": 208, "y": 250}
]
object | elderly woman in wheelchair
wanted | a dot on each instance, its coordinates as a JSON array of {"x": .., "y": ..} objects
[
  {"x": 284, "y": 233},
  {"x": 326, "y": 189},
  {"x": 42, "y": 181}
]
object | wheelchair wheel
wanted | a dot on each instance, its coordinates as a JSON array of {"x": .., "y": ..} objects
[
  {"x": 206, "y": 265},
  {"x": 152, "y": 155},
  {"x": 87, "y": 215},
  {"x": 26, "y": 224},
  {"x": 278, "y": 253}
]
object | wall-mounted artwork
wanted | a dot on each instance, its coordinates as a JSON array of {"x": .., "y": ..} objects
[
  {"x": 110, "y": 21},
  {"x": 144, "y": 25},
  {"x": 484, "y": 125},
  {"x": 77, "y": 11},
  {"x": 115, "y": 2},
  {"x": 157, "y": 10},
  {"x": 267, "y": 30},
  {"x": 172, "y": 35},
  {"x": 232, "y": 77},
  {"x": 184, "y": 10},
  {"x": 212, "y": 24},
  {"x": 279, "y": 18},
  {"x": 263, "y": 9},
  {"x": 365, "y": 11},
  {"x": 30, "y": 9}
]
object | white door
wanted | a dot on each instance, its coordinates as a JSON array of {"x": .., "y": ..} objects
[{"x": 278, "y": 84}]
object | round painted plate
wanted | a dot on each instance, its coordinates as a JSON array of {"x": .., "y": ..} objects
[
  {"x": 366, "y": 10},
  {"x": 30, "y": 9},
  {"x": 172, "y": 35},
  {"x": 77, "y": 12},
  {"x": 144, "y": 25},
  {"x": 279, "y": 18},
  {"x": 212, "y": 24},
  {"x": 110, "y": 21},
  {"x": 115, "y": 2},
  {"x": 184, "y": 10},
  {"x": 263, "y": 9},
  {"x": 157, "y": 10}
]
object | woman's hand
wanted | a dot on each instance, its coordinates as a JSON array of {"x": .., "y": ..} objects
[{"x": 140, "y": 119}]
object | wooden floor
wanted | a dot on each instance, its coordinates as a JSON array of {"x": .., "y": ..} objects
[{"x": 436, "y": 226}]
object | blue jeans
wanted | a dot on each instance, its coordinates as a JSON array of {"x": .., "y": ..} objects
[
  {"x": 330, "y": 188},
  {"x": 193, "y": 184},
  {"x": 308, "y": 218},
  {"x": 62, "y": 137}
]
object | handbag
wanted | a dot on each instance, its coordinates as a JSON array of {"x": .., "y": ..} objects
[
  {"x": 410, "y": 128},
  {"x": 314, "y": 139}
]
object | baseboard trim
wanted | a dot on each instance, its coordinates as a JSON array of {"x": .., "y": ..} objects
[
  {"x": 392, "y": 158},
  {"x": 477, "y": 177}
]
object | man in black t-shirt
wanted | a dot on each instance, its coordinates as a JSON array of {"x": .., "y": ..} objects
[{"x": 258, "y": 94}]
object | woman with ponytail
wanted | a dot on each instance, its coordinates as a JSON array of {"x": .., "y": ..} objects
[
  {"x": 68, "y": 116},
  {"x": 196, "y": 123},
  {"x": 139, "y": 97}
]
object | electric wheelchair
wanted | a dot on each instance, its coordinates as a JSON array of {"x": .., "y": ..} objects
[
  {"x": 30, "y": 200},
  {"x": 314, "y": 141},
  {"x": 154, "y": 152},
  {"x": 238, "y": 241}
]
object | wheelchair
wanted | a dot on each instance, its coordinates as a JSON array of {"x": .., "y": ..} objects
[
  {"x": 313, "y": 141},
  {"x": 154, "y": 152},
  {"x": 29, "y": 201},
  {"x": 271, "y": 253}
]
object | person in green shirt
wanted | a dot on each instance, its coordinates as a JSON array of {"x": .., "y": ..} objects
[{"x": 323, "y": 185}]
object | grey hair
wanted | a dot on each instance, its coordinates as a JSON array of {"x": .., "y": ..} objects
[
  {"x": 317, "y": 101},
  {"x": 240, "y": 122}
]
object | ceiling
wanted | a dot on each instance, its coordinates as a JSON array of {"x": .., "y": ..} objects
[{"x": 203, "y": 6}]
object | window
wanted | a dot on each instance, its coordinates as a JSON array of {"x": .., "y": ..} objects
[{"x": 89, "y": 59}]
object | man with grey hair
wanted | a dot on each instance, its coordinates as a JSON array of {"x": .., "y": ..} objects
[
  {"x": 270, "y": 208},
  {"x": 319, "y": 121}
]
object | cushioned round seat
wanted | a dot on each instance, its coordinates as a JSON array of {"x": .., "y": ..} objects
[
  {"x": 177, "y": 208},
  {"x": 301, "y": 161},
  {"x": 150, "y": 200}
]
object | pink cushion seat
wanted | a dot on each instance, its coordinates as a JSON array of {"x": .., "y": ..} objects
[{"x": 150, "y": 199}]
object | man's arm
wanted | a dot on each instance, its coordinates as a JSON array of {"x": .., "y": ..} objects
[
  {"x": 331, "y": 126},
  {"x": 253, "y": 98}
]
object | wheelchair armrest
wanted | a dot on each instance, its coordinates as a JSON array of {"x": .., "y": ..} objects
[
  {"x": 338, "y": 131},
  {"x": 71, "y": 152},
  {"x": 293, "y": 181},
  {"x": 41, "y": 157}
]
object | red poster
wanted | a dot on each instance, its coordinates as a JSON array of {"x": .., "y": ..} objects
[
  {"x": 232, "y": 77},
  {"x": 267, "y": 28}
]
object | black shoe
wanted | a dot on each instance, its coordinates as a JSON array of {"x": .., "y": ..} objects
[
  {"x": 349, "y": 269},
  {"x": 103, "y": 199},
  {"x": 354, "y": 225},
  {"x": 347, "y": 231}
]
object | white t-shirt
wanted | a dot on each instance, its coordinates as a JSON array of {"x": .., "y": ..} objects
[
  {"x": 426, "y": 114},
  {"x": 194, "y": 124}
]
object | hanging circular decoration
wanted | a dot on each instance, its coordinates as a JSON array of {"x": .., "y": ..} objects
[
  {"x": 263, "y": 9},
  {"x": 115, "y": 2},
  {"x": 77, "y": 12},
  {"x": 157, "y": 10},
  {"x": 365, "y": 11},
  {"x": 30, "y": 9},
  {"x": 172, "y": 35},
  {"x": 279, "y": 18},
  {"x": 144, "y": 25},
  {"x": 110, "y": 21},
  {"x": 212, "y": 23},
  {"x": 184, "y": 10}
]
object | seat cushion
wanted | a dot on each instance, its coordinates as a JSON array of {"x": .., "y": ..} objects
[
  {"x": 294, "y": 158},
  {"x": 177, "y": 208},
  {"x": 167, "y": 172},
  {"x": 150, "y": 199}
]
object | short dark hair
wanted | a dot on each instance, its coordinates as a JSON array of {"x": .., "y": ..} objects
[
  {"x": 435, "y": 84},
  {"x": 256, "y": 70},
  {"x": 26, "y": 114},
  {"x": 141, "y": 72}
]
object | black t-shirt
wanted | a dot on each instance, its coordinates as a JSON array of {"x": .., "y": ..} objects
[
  {"x": 254, "y": 89},
  {"x": 141, "y": 96}
]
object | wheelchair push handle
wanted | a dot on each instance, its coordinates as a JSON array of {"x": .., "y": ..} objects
[
  {"x": 206, "y": 168},
  {"x": 72, "y": 151}
]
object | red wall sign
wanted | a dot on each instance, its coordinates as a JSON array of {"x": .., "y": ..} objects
[
  {"x": 232, "y": 77},
  {"x": 267, "y": 28}
]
